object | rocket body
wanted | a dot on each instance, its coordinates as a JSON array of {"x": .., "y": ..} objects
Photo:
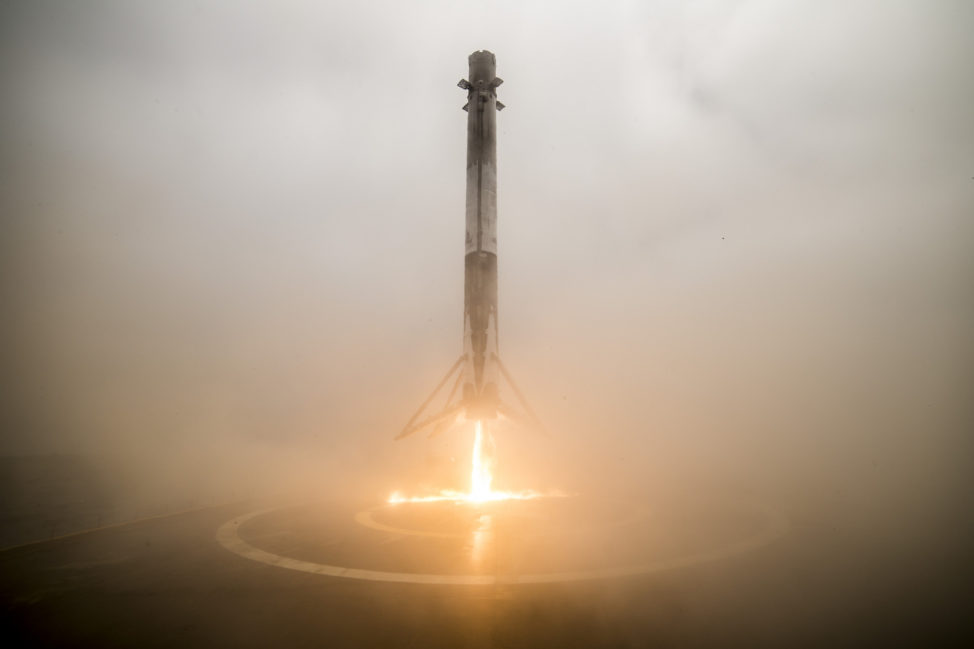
[{"x": 480, "y": 371}]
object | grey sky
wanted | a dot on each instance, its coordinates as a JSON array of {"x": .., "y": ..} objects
[{"x": 722, "y": 225}]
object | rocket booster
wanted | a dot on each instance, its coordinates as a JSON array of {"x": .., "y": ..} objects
[
  {"x": 480, "y": 373},
  {"x": 479, "y": 369}
]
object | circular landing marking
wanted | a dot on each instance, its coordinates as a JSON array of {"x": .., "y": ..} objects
[
  {"x": 366, "y": 519},
  {"x": 775, "y": 526}
]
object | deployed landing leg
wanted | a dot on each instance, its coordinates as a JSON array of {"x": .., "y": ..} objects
[
  {"x": 439, "y": 418},
  {"x": 442, "y": 420},
  {"x": 529, "y": 419}
]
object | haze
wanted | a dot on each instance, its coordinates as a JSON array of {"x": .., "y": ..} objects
[{"x": 735, "y": 244}]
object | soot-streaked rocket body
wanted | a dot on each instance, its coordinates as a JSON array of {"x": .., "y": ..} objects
[
  {"x": 480, "y": 368},
  {"x": 480, "y": 374}
]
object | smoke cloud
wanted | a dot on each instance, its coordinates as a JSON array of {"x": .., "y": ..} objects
[{"x": 735, "y": 241}]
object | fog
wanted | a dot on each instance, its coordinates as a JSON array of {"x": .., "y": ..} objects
[{"x": 735, "y": 246}]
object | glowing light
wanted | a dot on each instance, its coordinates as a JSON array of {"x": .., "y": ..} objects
[
  {"x": 482, "y": 539},
  {"x": 481, "y": 479}
]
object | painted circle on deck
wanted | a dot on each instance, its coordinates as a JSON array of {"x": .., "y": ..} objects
[
  {"x": 366, "y": 519},
  {"x": 773, "y": 526}
]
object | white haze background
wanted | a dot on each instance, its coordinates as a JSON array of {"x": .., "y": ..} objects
[{"x": 735, "y": 240}]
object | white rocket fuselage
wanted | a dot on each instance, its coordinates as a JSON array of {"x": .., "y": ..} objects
[{"x": 480, "y": 371}]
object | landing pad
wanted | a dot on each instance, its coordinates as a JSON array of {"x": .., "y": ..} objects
[
  {"x": 543, "y": 540},
  {"x": 573, "y": 572}
]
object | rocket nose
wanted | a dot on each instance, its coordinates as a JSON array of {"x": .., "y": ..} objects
[{"x": 482, "y": 67}]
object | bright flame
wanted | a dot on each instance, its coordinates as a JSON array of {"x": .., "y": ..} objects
[
  {"x": 480, "y": 480},
  {"x": 480, "y": 477}
]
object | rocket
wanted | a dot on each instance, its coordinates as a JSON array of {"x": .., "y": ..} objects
[
  {"x": 480, "y": 373},
  {"x": 476, "y": 393}
]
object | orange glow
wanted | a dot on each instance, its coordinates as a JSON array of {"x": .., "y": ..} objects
[{"x": 481, "y": 478}]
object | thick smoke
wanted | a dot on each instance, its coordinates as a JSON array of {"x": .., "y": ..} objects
[{"x": 735, "y": 243}]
